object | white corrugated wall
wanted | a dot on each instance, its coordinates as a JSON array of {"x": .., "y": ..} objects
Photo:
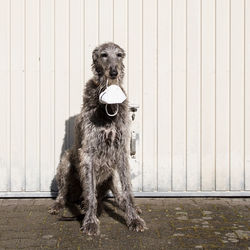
[{"x": 187, "y": 67}]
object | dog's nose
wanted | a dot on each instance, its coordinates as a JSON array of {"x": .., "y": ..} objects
[{"x": 113, "y": 72}]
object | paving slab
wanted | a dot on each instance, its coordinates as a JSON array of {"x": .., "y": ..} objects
[{"x": 174, "y": 223}]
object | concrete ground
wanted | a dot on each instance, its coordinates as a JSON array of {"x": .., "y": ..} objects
[{"x": 174, "y": 223}]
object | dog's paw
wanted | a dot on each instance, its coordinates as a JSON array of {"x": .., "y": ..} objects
[
  {"x": 55, "y": 209},
  {"x": 91, "y": 227},
  {"x": 137, "y": 224}
]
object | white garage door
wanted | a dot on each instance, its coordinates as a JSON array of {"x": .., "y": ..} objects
[{"x": 187, "y": 67}]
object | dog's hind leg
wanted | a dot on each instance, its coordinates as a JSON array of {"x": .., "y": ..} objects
[{"x": 62, "y": 176}]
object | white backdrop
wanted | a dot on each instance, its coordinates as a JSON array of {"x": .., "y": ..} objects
[{"x": 187, "y": 67}]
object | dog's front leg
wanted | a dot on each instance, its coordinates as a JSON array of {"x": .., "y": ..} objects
[
  {"x": 118, "y": 196},
  {"x": 90, "y": 224},
  {"x": 134, "y": 221}
]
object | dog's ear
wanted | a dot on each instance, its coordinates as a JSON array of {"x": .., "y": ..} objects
[
  {"x": 95, "y": 65},
  {"x": 95, "y": 55},
  {"x": 123, "y": 53}
]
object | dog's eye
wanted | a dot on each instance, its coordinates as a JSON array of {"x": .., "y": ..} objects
[
  {"x": 119, "y": 54},
  {"x": 104, "y": 55}
]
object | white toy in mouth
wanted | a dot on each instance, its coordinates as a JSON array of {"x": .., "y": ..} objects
[{"x": 112, "y": 95}]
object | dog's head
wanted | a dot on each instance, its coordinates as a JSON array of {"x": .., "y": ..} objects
[{"x": 108, "y": 61}]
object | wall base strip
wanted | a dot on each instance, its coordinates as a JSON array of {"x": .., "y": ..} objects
[{"x": 137, "y": 194}]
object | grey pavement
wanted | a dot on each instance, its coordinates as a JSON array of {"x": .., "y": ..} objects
[{"x": 174, "y": 223}]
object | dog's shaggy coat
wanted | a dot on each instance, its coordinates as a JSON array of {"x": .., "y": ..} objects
[{"x": 87, "y": 170}]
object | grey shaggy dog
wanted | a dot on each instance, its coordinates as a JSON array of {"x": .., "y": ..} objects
[{"x": 87, "y": 171}]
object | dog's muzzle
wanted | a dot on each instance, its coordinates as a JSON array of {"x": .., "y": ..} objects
[{"x": 113, "y": 73}]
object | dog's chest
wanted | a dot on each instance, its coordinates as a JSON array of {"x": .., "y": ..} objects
[
  {"x": 107, "y": 146},
  {"x": 109, "y": 138},
  {"x": 106, "y": 152}
]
